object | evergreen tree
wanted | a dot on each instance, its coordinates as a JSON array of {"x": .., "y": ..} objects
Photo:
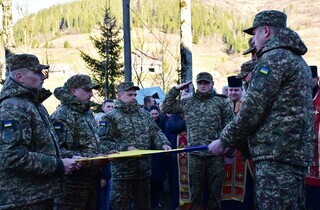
[{"x": 107, "y": 69}]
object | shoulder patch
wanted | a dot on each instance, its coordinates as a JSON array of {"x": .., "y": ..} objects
[
  {"x": 264, "y": 70},
  {"x": 9, "y": 131},
  {"x": 7, "y": 124},
  {"x": 57, "y": 126},
  {"x": 103, "y": 123}
]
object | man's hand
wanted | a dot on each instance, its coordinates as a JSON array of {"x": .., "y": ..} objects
[
  {"x": 185, "y": 93},
  {"x": 183, "y": 85},
  {"x": 80, "y": 164},
  {"x": 131, "y": 148},
  {"x": 215, "y": 147},
  {"x": 69, "y": 165},
  {"x": 113, "y": 152},
  {"x": 166, "y": 147},
  {"x": 100, "y": 162}
]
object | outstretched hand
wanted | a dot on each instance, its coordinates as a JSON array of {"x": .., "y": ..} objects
[
  {"x": 69, "y": 165},
  {"x": 166, "y": 147},
  {"x": 216, "y": 148},
  {"x": 183, "y": 85}
]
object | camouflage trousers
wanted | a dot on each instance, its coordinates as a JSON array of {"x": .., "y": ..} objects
[
  {"x": 44, "y": 205},
  {"x": 78, "y": 196},
  {"x": 279, "y": 186},
  {"x": 205, "y": 180},
  {"x": 125, "y": 192}
]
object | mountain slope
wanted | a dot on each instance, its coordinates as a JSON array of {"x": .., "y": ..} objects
[{"x": 208, "y": 55}]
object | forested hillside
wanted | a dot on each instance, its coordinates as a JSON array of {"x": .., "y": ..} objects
[{"x": 77, "y": 17}]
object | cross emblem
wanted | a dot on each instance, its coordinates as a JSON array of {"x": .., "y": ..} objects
[
  {"x": 316, "y": 112},
  {"x": 226, "y": 175},
  {"x": 240, "y": 175}
]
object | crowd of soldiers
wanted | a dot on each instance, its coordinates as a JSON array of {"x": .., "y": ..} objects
[{"x": 260, "y": 143}]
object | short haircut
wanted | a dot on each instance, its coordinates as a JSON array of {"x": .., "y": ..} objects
[
  {"x": 14, "y": 73},
  {"x": 108, "y": 100},
  {"x": 146, "y": 99}
]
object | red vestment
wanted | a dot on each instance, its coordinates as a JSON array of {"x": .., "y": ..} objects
[
  {"x": 314, "y": 169},
  {"x": 234, "y": 183}
]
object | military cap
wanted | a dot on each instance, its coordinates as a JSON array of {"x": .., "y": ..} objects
[
  {"x": 81, "y": 81},
  {"x": 205, "y": 76},
  {"x": 20, "y": 61},
  {"x": 314, "y": 71},
  {"x": 252, "y": 48},
  {"x": 246, "y": 68},
  {"x": 268, "y": 18},
  {"x": 126, "y": 86},
  {"x": 234, "y": 82}
]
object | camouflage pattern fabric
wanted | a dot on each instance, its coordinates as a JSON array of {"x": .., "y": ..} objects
[
  {"x": 75, "y": 125},
  {"x": 129, "y": 125},
  {"x": 28, "y": 61},
  {"x": 283, "y": 185},
  {"x": 252, "y": 48},
  {"x": 204, "y": 76},
  {"x": 208, "y": 172},
  {"x": 80, "y": 81},
  {"x": 268, "y": 18},
  {"x": 31, "y": 171},
  {"x": 125, "y": 192},
  {"x": 126, "y": 86},
  {"x": 206, "y": 115},
  {"x": 276, "y": 115},
  {"x": 45, "y": 205},
  {"x": 246, "y": 67}
]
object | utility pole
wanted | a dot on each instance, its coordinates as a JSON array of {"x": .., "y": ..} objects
[
  {"x": 186, "y": 40},
  {"x": 127, "y": 40}
]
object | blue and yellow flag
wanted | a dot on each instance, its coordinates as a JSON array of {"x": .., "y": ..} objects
[{"x": 264, "y": 70}]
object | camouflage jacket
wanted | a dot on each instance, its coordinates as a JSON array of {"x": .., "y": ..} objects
[
  {"x": 77, "y": 130},
  {"x": 31, "y": 170},
  {"x": 206, "y": 115},
  {"x": 276, "y": 113},
  {"x": 130, "y": 126}
]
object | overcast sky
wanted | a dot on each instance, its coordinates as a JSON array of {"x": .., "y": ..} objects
[{"x": 33, "y": 6}]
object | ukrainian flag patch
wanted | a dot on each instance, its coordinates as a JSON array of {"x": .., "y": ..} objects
[
  {"x": 7, "y": 124},
  {"x": 57, "y": 126},
  {"x": 103, "y": 123},
  {"x": 264, "y": 70}
]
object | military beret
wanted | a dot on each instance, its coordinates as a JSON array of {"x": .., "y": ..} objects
[
  {"x": 314, "y": 71},
  {"x": 268, "y": 18},
  {"x": 205, "y": 76},
  {"x": 20, "y": 61},
  {"x": 234, "y": 82},
  {"x": 80, "y": 81},
  {"x": 126, "y": 86},
  {"x": 246, "y": 68}
]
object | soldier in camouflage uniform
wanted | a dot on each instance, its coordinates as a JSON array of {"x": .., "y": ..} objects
[
  {"x": 31, "y": 169},
  {"x": 207, "y": 113},
  {"x": 246, "y": 72},
  {"x": 77, "y": 131},
  {"x": 129, "y": 127},
  {"x": 276, "y": 115}
]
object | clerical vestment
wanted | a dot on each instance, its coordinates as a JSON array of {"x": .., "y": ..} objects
[
  {"x": 314, "y": 169},
  {"x": 235, "y": 174}
]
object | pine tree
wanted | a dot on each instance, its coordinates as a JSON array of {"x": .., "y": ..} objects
[{"x": 106, "y": 70}]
